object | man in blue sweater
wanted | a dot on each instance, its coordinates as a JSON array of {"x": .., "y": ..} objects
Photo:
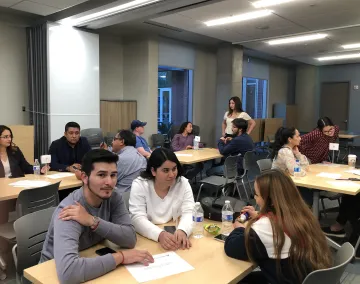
[
  {"x": 88, "y": 216},
  {"x": 232, "y": 146}
]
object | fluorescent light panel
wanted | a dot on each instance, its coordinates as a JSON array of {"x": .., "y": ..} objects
[
  {"x": 268, "y": 3},
  {"x": 349, "y": 46},
  {"x": 339, "y": 57},
  {"x": 108, "y": 12},
  {"x": 297, "y": 39},
  {"x": 239, "y": 18}
]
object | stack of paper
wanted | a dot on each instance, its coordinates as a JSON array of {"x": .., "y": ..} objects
[
  {"x": 329, "y": 175},
  {"x": 164, "y": 265},
  {"x": 30, "y": 183},
  {"x": 355, "y": 172},
  {"x": 183, "y": 155},
  {"x": 60, "y": 175}
]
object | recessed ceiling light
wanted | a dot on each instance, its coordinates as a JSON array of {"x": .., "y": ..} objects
[
  {"x": 238, "y": 18},
  {"x": 349, "y": 46},
  {"x": 339, "y": 57},
  {"x": 268, "y": 3},
  {"x": 297, "y": 39},
  {"x": 108, "y": 12}
]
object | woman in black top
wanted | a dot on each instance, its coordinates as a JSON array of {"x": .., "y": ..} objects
[{"x": 283, "y": 238}]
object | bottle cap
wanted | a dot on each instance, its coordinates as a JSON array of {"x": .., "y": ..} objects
[
  {"x": 197, "y": 203},
  {"x": 227, "y": 201}
]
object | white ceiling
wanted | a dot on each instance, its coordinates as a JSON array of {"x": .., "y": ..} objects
[
  {"x": 299, "y": 16},
  {"x": 40, "y": 7}
]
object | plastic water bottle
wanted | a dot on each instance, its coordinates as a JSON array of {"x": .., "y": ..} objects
[
  {"x": 227, "y": 215},
  {"x": 198, "y": 221},
  {"x": 297, "y": 169},
  {"x": 196, "y": 144},
  {"x": 36, "y": 168}
]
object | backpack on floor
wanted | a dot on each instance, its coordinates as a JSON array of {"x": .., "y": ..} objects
[{"x": 212, "y": 206}]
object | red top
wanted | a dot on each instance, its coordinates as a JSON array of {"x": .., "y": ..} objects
[{"x": 315, "y": 145}]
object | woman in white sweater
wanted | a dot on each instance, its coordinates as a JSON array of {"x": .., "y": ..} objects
[{"x": 156, "y": 194}]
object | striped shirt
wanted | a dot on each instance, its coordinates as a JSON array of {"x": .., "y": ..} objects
[{"x": 315, "y": 145}]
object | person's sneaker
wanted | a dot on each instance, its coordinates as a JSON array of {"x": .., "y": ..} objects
[{"x": 339, "y": 234}]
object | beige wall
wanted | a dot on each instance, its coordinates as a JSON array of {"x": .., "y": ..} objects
[
  {"x": 111, "y": 67},
  {"x": 278, "y": 86},
  {"x": 13, "y": 75},
  {"x": 204, "y": 94},
  {"x": 140, "y": 80},
  {"x": 305, "y": 96}
]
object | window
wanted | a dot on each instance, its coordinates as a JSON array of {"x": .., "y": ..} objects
[
  {"x": 254, "y": 98},
  {"x": 174, "y": 97}
]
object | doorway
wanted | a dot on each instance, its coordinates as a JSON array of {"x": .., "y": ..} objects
[{"x": 334, "y": 103}]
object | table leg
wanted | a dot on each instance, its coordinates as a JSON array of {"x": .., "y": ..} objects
[{"x": 316, "y": 203}]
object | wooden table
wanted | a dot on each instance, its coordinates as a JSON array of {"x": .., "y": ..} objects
[
  {"x": 188, "y": 157},
  {"x": 311, "y": 180},
  {"x": 206, "y": 255},
  {"x": 348, "y": 135},
  {"x": 8, "y": 192}
]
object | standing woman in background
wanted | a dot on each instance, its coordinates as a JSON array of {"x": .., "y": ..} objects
[
  {"x": 315, "y": 144},
  {"x": 235, "y": 111}
]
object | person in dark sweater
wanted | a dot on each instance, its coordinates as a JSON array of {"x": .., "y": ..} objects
[
  {"x": 88, "y": 216},
  {"x": 284, "y": 238},
  {"x": 232, "y": 146},
  {"x": 68, "y": 151}
]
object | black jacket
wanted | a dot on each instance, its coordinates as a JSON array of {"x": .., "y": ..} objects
[
  {"x": 63, "y": 155},
  {"x": 18, "y": 164}
]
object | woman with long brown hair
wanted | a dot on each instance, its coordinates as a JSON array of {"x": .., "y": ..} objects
[
  {"x": 283, "y": 238},
  {"x": 235, "y": 111}
]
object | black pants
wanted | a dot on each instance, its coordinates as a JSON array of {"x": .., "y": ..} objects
[
  {"x": 192, "y": 170},
  {"x": 307, "y": 194},
  {"x": 256, "y": 277},
  {"x": 350, "y": 211}
]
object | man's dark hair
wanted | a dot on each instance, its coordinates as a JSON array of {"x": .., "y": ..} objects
[
  {"x": 128, "y": 137},
  {"x": 241, "y": 124},
  {"x": 97, "y": 156},
  {"x": 71, "y": 124}
]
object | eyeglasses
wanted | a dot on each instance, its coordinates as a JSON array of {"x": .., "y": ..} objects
[
  {"x": 6, "y": 137},
  {"x": 329, "y": 131}
]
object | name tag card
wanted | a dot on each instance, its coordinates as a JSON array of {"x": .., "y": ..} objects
[
  {"x": 45, "y": 159},
  {"x": 334, "y": 146},
  {"x": 197, "y": 138}
]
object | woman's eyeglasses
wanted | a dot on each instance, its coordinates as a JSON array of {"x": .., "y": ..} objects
[{"x": 6, "y": 137}]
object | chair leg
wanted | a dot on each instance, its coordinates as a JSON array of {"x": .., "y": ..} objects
[
  {"x": 323, "y": 207},
  {"x": 197, "y": 198},
  {"x": 246, "y": 193},
  {"x": 238, "y": 190},
  {"x": 248, "y": 181}
]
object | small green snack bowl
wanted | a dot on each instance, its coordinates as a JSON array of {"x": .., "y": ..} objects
[{"x": 212, "y": 229}]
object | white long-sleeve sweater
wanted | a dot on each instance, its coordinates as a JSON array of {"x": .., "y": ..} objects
[{"x": 147, "y": 209}]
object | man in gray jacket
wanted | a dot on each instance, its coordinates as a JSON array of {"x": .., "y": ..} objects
[{"x": 88, "y": 216}]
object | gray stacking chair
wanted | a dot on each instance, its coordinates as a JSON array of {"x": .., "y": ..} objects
[
  {"x": 31, "y": 232},
  {"x": 333, "y": 275},
  {"x": 264, "y": 164},
  {"x": 158, "y": 140},
  {"x": 196, "y": 130},
  {"x": 219, "y": 182},
  {"x": 29, "y": 201},
  {"x": 94, "y": 136}
]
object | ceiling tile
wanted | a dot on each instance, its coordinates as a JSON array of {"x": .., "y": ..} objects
[
  {"x": 8, "y": 3},
  {"x": 61, "y": 4},
  {"x": 35, "y": 8}
]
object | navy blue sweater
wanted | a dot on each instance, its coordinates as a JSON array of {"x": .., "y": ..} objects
[{"x": 63, "y": 155}]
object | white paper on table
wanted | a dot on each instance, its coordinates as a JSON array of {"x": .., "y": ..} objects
[
  {"x": 183, "y": 155},
  {"x": 165, "y": 264},
  {"x": 329, "y": 165},
  {"x": 355, "y": 172},
  {"x": 329, "y": 175},
  {"x": 60, "y": 175},
  {"x": 30, "y": 183},
  {"x": 344, "y": 183}
]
